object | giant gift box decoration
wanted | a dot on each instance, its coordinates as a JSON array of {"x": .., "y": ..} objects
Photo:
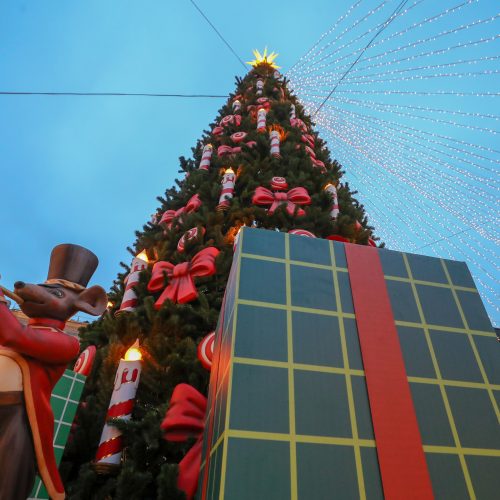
[
  {"x": 64, "y": 402},
  {"x": 350, "y": 369}
]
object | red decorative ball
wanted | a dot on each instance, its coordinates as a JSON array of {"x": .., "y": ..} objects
[
  {"x": 301, "y": 232},
  {"x": 336, "y": 237},
  {"x": 188, "y": 235},
  {"x": 206, "y": 351},
  {"x": 85, "y": 361},
  {"x": 279, "y": 183}
]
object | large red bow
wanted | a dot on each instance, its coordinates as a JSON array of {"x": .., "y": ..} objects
[
  {"x": 228, "y": 150},
  {"x": 180, "y": 288},
  {"x": 185, "y": 419},
  {"x": 296, "y": 196},
  {"x": 191, "y": 206}
]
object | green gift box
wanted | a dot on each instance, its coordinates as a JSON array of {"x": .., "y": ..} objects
[
  {"x": 289, "y": 414},
  {"x": 64, "y": 401}
]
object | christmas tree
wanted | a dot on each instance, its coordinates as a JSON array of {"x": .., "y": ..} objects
[{"x": 261, "y": 165}]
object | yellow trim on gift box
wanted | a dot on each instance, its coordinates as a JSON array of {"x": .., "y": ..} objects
[
  {"x": 472, "y": 343},
  {"x": 435, "y": 364},
  {"x": 291, "y": 381},
  {"x": 350, "y": 393},
  {"x": 230, "y": 366}
]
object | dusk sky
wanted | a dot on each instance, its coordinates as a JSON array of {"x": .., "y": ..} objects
[{"x": 87, "y": 170}]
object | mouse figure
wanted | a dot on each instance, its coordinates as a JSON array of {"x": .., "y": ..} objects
[{"x": 32, "y": 359}]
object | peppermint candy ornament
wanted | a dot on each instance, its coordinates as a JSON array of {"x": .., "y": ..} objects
[
  {"x": 238, "y": 136},
  {"x": 85, "y": 361},
  {"x": 206, "y": 351},
  {"x": 187, "y": 236},
  {"x": 279, "y": 184}
]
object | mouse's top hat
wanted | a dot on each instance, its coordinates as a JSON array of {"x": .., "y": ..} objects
[{"x": 71, "y": 266}]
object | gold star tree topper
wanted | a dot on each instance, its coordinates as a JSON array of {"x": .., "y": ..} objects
[{"x": 264, "y": 58}]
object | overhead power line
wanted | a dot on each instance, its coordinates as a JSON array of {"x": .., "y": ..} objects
[
  {"x": 107, "y": 94},
  {"x": 219, "y": 34}
]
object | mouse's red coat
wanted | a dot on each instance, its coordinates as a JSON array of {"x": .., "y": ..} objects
[{"x": 42, "y": 352}]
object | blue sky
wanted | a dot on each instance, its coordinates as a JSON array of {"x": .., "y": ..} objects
[{"x": 87, "y": 170}]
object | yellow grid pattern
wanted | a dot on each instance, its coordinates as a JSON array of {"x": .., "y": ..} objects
[{"x": 292, "y": 437}]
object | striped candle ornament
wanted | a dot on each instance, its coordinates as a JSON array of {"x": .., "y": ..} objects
[
  {"x": 129, "y": 301},
  {"x": 275, "y": 143},
  {"x": 334, "y": 209},
  {"x": 206, "y": 157},
  {"x": 261, "y": 120},
  {"x": 228, "y": 182},
  {"x": 121, "y": 405}
]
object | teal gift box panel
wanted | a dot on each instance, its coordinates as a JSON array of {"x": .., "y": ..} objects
[
  {"x": 64, "y": 401},
  {"x": 288, "y": 410}
]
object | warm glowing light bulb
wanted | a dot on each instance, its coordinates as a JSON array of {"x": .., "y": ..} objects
[
  {"x": 143, "y": 256},
  {"x": 110, "y": 304},
  {"x": 229, "y": 171},
  {"x": 133, "y": 353}
]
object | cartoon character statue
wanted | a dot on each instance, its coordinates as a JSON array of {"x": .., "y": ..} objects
[{"x": 32, "y": 360}]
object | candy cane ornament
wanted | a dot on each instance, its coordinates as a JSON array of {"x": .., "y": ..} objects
[
  {"x": 261, "y": 120},
  {"x": 334, "y": 208},
  {"x": 188, "y": 236},
  {"x": 227, "y": 193},
  {"x": 206, "y": 157}
]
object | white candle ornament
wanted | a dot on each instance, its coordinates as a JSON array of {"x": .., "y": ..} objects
[
  {"x": 129, "y": 301},
  {"x": 260, "y": 86},
  {"x": 236, "y": 106},
  {"x": 292, "y": 112},
  {"x": 261, "y": 120},
  {"x": 206, "y": 157},
  {"x": 227, "y": 193},
  {"x": 121, "y": 406},
  {"x": 275, "y": 143}
]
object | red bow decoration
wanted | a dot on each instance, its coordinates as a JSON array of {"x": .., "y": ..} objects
[
  {"x": 191, "y": 206},
  {"x": 185, "y": 419},
  {"x": 228, "y": 150},
  {"x": 296, "y": 196},
  {"x": 318, "y": 163},
  {"x": 181, "y": 288},
  {"x": 297, "y": 122},
  {"x": 308, "y": 139}
]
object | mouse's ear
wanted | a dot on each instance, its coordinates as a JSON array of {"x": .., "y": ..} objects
[{"x": 92, "y": 300}]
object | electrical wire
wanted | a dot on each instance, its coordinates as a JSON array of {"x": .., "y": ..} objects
[
  {"x": 107, "y": 94},
  {"x": 219, "y": 34}
]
